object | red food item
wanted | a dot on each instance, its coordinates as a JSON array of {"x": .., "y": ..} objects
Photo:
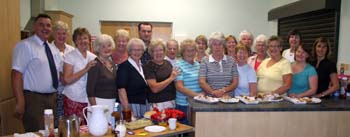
[{"x": 166, "y": 114}]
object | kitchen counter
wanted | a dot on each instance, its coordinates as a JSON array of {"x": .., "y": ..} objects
[
  {"x": 330, "y": 118},
  {"x": 326, "y": 105}
]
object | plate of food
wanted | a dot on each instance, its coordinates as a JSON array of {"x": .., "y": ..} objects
[
  {"x": 261, "y": 97},
  {"x": 248, "y": 99},
  {"x": 155, "y": 128},
  {"x": 228, "y": 99},
  {"x": 303, "y": 100},
  {"x": 206, "y": 99}
]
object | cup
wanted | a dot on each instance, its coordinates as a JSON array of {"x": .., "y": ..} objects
[
  {"x": 127, "y": 114},
  {"x": 172, "y": 123}
]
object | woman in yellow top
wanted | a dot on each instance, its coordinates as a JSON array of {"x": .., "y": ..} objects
[{"x": 274, "y": 73}]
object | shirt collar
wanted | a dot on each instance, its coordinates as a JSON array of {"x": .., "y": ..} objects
[
  {"x": 38, "y": 40},
  {"x": 132, "y": 62},
  {"x": 211, "y": 58}
]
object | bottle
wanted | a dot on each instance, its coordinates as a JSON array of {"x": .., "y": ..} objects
[
  {"x": 341, "y": 71},
  {"x": 121, "y": 129},
  {"x": 48, "y": 123},
  {"x": 114, "y": 113},
  {"x": 343, "y": 83}
]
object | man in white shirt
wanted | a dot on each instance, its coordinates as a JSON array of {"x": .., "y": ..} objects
[
  {"x": 34, "y": 75},
  {"x": 172, "y": 48}
]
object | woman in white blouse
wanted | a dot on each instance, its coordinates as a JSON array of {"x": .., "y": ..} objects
[{"x": 76, "y": 65}]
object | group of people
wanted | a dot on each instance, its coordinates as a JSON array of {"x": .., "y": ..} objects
[{"x": 142, "y": 74}]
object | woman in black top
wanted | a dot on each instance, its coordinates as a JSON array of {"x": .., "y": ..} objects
[
  {"x": 101, "y": 88},
  {"x": 160, "y": 77},
  {"x": 326, "y": 70},
  {"x": 131, "y": 82}
]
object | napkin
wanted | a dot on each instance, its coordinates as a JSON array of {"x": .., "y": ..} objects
[{"x": 30, "y": 134}]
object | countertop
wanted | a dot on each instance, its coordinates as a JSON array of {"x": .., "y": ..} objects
[{"x": 331, "y": 104}]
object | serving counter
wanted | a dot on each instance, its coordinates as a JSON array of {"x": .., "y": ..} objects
[{"x": 330, "y": 118}]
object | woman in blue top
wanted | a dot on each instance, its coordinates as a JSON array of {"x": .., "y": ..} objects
[
  {"x": 304, "y": 75},
  {"x": 187, "y": 81}
]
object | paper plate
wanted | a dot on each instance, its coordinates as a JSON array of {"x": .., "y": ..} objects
[{"x": 155, "y": 128}]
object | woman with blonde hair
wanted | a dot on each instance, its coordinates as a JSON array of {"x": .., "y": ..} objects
[
  {"x": 120, "y": 54},
  {"x": 160, "y": 76},
  {"x": 274, "y": 73},
  {"x": 202, "y": 46}
]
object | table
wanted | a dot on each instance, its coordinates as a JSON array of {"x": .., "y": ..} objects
[
  {"x": 330, "y": 118},
  {"x": 180, "y": 129}
]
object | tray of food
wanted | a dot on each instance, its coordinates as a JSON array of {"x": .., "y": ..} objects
[
  {"x": 228, "y": 99},
  {"x": 206, "y": 99},
  {"x": 140, "y": 123},
  {"x": 303, "y": 100},
  {"x": 248, "y": 99},
  {"x": 263, "y": 97}
]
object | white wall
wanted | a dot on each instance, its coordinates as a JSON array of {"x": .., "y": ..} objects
[
  {"x": 344, "y": 40},
  {"x": 24, "y": 12},
  {"x": 189, "y": 17}
]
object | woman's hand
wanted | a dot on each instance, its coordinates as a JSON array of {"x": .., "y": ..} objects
[
  {"x": 90, "y": 64},
  {"x": 174, "y": 73},
  {"x": 219, "y": 92}
]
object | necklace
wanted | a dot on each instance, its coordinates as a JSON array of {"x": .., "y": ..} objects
[{"x": 107, "y": 63}]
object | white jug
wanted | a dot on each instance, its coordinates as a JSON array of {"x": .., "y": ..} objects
[{"x": 97, "y": 121}]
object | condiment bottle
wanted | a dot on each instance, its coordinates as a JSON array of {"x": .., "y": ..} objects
[
  {"x": 48, "y": 123},
  {"x": 343, "y": 83},
  {"x": 114, "y": 114},
  {"x": 121, "y": 129}
]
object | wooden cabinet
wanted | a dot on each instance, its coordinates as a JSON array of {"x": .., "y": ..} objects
[
  {"x": 9, "y": 36},
  {"x": 58, "y": 15}
]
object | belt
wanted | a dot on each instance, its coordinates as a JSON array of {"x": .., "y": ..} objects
[{"x": 36, "y": 92}]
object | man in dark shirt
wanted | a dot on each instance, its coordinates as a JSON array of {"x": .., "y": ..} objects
[{"x": 145, "y": 34}]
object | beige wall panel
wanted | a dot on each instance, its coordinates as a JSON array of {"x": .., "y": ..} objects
[
  {"x": 9, "y": 37},
  {"x": 272, "y": 124},
  {"x": 160, "y": 30},
  {"x": 9, "y": 124}
]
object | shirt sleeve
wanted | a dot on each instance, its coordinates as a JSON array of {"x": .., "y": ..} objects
[
  {"x": 122, "y": 76},
  {"x": 234, "y": 69},
  {"x": 69, "y": 58},
  {"x": 92, "y": 80},
  {"x": 21, "y": 57},
  {"x": 203, "y": 68},
  {"x": 180, "y": 76},
  {"x": 285, "y": 67},
  {"x": 148, "y": 71},
  {"x": 311, "y": 70},
  {"x": 251, "y": 75}
]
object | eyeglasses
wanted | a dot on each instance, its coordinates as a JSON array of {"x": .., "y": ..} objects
[
  {"x": 138, "y": 50},
  {"x": 274, "y": 46}
]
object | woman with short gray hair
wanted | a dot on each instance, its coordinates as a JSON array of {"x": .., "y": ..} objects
[
  {"x": 101, "y": 88},
  {"x": 131, "y": 81},
  {"x": 218, "y": 75},
  {"x": 260, "y": 46},
  {"x": 60, "y": 35}
]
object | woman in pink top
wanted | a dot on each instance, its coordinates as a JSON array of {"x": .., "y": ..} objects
[{"x": 261, "y": 54}]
